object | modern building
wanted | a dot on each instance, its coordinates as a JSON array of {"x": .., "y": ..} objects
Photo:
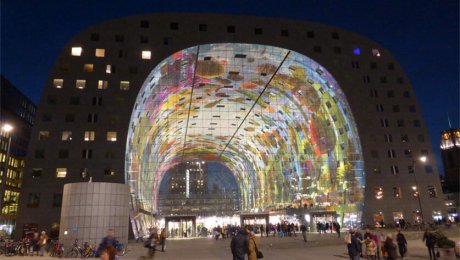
[
  {"x": 450, "y": 152},
  {"x": 298, "y": 111},
  {"x": 189, "y": 178},
  {"x": 17, "y": 112}
]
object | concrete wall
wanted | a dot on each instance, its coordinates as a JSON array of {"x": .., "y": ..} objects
[{"x": 90, "y": 209}]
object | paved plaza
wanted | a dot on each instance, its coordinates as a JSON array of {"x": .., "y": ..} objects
[{"x": 318, "y": 247}]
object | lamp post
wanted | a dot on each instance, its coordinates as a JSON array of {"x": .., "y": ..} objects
[
  {"x": 6, "y": 129},
  {"x": 415, "y": 187}
]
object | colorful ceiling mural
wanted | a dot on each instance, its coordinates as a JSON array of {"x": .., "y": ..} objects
[{"x": 275, "y": 117}]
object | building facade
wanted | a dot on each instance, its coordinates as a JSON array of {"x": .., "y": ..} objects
[
  {"x": 18, "y": 112},
  {"x": 450, "y": 152},
  {"x": 357, "y": 117}
]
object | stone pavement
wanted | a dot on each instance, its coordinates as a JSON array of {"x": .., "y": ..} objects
[{"x": 318, "y": 247}]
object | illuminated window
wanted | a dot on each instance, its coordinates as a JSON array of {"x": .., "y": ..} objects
[
  {"x": 146, "y": 55},
  {"x": 89, "y": 136},
  {"x": 109, "y": 69},
  {"x": 80, "y": 83},
  {"x": 88, "y": 67},
  {"x": 397, "y": 192},
  {"x": 66, "y": 136},
  {"x": 102, "y": 84},
  {"x": 37, "y": 172},
  {"x": 76, "y": 51},
  {"x": 124, "y": 85},
  {"x": 100, "y": 53},
  {"x": 58, "y": 83},
  {"x": 61, "y": 172},
  {"x": 375, "y": 53},
  {"x": 43, "y": 135},
  {"x": 432, "y": 191},
  {"x": 378, "y": 192},
  {"x": 111, "y": 136},
  {"x": 109, "y": 171},
  {"x": 394, "y": 169}
]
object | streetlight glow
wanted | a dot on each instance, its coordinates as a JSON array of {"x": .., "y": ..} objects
[
  {"x": 423, "y": 159},
  {"x": 7, "y": 128}
]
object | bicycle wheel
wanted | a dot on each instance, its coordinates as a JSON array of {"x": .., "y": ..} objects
[
  {"x": 121, "y": 250},
  {"x": 72, "y": 253}
]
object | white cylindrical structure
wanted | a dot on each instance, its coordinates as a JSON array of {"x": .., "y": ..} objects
[{"x": 90, "y": 209}]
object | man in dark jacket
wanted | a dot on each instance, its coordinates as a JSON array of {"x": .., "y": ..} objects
[
  {"x": 109, "y": 240},
  {"x": 402, "y": 243},
  {"x": 239, "y": 245}
]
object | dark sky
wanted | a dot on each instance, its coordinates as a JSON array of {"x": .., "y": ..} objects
[{"x": 422, "y": 35}]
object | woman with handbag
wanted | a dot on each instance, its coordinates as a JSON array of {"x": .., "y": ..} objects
[{"x": 253, "y": 252}]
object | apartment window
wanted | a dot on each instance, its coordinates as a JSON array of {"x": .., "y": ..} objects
[
  {"x": 337, "y": 50},
  {"x": 374, "y": 154},
  {"x": 384, "y": 122},
  {"x": 37, "y": 172},
  {"x": 391, "y": 154},
  {"x": 124, "y": 85},
  {"x": 63, "y": 154},
  {"x": 383, "y": 79},
  {"x": 404, "y": 138},
  {"x": 317, "y": 48},
  {"x": 428, "y": 169},
  {"x": 109, "y": 172},
  {"x": 394, "y": 169},
  {"x": 408, "y": 153},
  {"x": 406, "y": 94},
  {"x": 66, "y": 136},
  {"x": 144, "y": 39},
  {"x": 388, "y": 138},
  {"x": 231, "y": 29},
  {"x": 397, "y": 192},
  {"x": 80, "y": 83},
  {"x": 33, "y": 200},
  {"x": 109, "y": 69},
  {"x": 396, "y": 108},
  {"x": 285, "y": 33},
  {"x": 100, "y": 53},
  {"x": 122, "y": 53},
  {"x": 92, "y": 118},
  {"x": 174, "y": 26},
  {"x": 52, "y": 100},
  {"x": 432, "y": 191},
  {"x": 410, "y": 169},
  {"x": 417, "y": 123},
  {"x": 311, "y": 34},
  {"x": 424, "y": 152},
  {"x": 400, "y": 80},
  {"x": 97, "y": 101},
  {"x": 355, "y": 64},
  {"x": 166, "y": 40},
  {"x": 47, "y": 117},
  {"x": 258, "y": 31},
  {"x": 87, "y": 154},
  {"x": 61, "y": 172},
  {"x": 335, "y": 35},
  {"x": 400, "y": 123},
  {"x": 374, "y": 93},
  {"x": 94, "y": 37},
  {"x": 39, "y": 154},
  {"x": 88, "y": 68},
  {"x": 109, "y": 155},
  {"x": 144, "y": 24},
  {"x": 43, "y": 135},
  {"x": 146, "y": 55},
  {"x": 366, "y": 79},
  {"x": 102, "y": 84},
  {"x": 378, "y": 193},
  {"x": 58, "y": 83},
  {"x": 69, "y": 118},
  {"x": 412, "y": 109},
  {"x": 202, "y": 27},
  {"x": 421, "y": 138},
  {"x": 76, "y": 51},
  {"x": 111, "y": 136},
  {"x": 57, "y": 200},
  {"x": 119, "y": 38},
  {"x": 89, "y": 136},
  {"x": 74, "y": 100},
  {"x": 379, "y": 107}
]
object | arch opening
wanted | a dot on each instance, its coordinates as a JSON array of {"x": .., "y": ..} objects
[{"x": 276, "y": 118}]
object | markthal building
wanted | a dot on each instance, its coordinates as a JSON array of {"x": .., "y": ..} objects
[{"x": 310, "y": 122}]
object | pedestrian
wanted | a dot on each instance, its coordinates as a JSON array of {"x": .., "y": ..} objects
[
  {"x": 337, "y": 229},
  {"x": 390, "y": 248},
  {"x": 43, "y": 239},
  {"x": 34, "y": 244},
  {"x": 108, "y": 240},
  {"x": 402, "y": 243},
  {"x": 140, "y": 236},
  {"x": 352, "y": 245},
  {"x": 109, "y": 253},
  {"x": 359, "y": 238},
  {"x": 239, "y": 245},
  {"x": 163, "y": 239},
  {"x": 377, "y": 245},
  {"x": 151, "y": 243},
  {"x": 430, "y": 242},
  {"x": 303, "y": 228},
  {"x": 371, "y": 248},
  {"x": 252, "y": 246}
]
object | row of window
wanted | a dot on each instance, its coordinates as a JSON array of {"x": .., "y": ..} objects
[
  {"x": 70, "y": 118},
  {"x": 378, "y": 192},
  {"x": 394, "y": 169},
  {"x": 64, "y": 154},
  {"x": 62, "y": 172},
  {"x": 33, "y": 200},
  {"x": 88, "y": 136},
  {"x": 372, "y": 65},
  {"x": 392, "y": 154},
  {"x": 100, "y": 53},
  {"x": 396, "y": 108},
  {"x": 404, "y": 138},
  {"x": 81, "y": 84},
  {"x": 383, "y": 79},
  {"x": 400, "y": 123}
]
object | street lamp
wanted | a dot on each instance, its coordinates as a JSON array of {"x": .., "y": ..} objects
[
  {"x": 6, "y": 129},
  {"x": 414, "y": 188}
]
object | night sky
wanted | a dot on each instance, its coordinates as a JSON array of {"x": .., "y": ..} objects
[{"x": 423, "y": 36}]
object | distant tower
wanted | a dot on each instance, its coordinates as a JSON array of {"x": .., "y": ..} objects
[
  {"x": 450, "y": 152},
  {"x": 189, "y": 178}
]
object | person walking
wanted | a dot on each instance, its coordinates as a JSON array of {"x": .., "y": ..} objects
[
  {"x": 108, "y": 240},
  {"x": 252, "y": 246},
  {"x": 239, "y": 245},
  {"x": 303, "y": 228},
  {"x": 390, "y": 248},
  {"x": 337, "y": 229},
  {"x": 402, "y": 243},
  {"x": 42, "y": 242},
  {"x": 163, "y": 239},
  {"x": 352, "y": 245},
  {"x": 430, "y": 242}
]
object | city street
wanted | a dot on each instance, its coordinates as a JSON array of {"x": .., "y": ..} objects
[{"x": 320, "y": 247}]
